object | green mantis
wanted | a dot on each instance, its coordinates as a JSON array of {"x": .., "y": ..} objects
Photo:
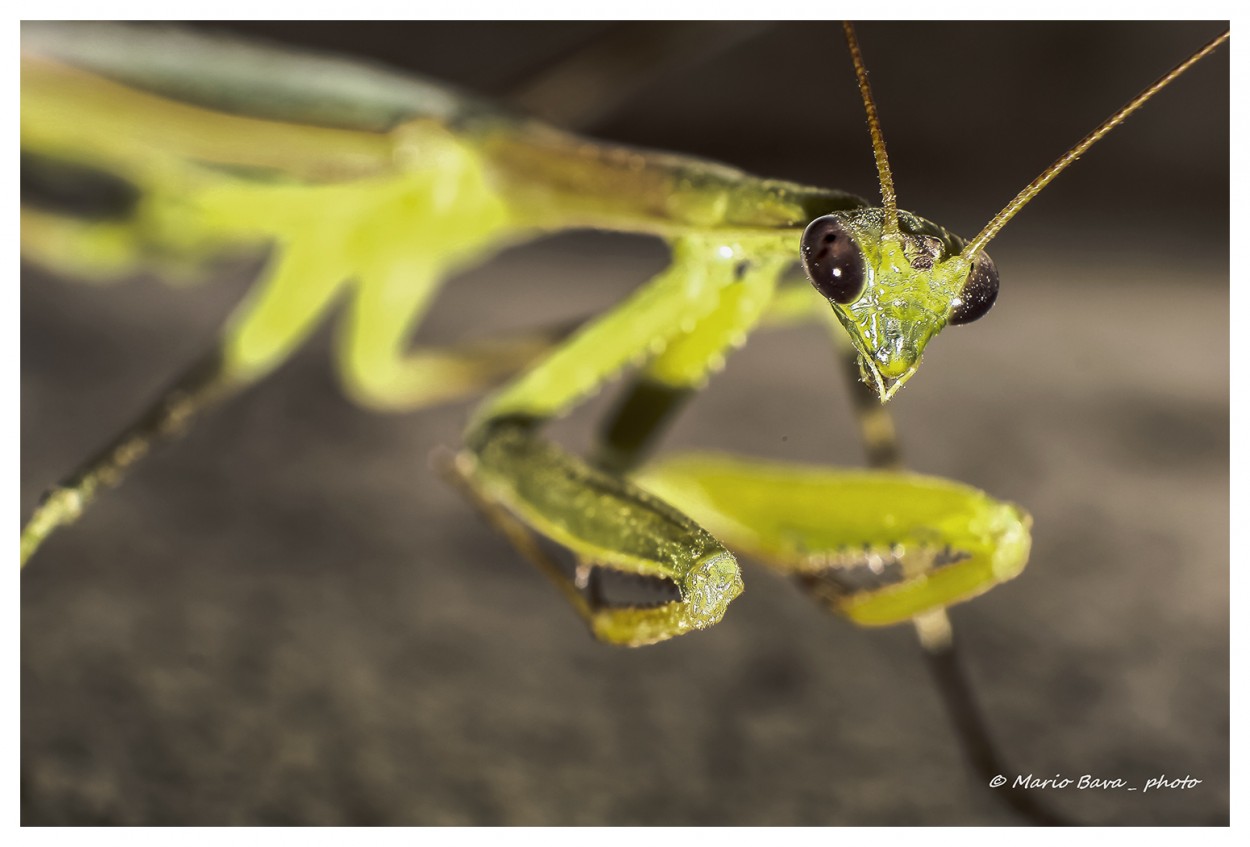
[{"x": 346, "y": 201}]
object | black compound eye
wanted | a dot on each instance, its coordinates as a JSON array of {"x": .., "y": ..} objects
[
  {"x": 979, "y": 292},
  {"x": 832, "y": 260}
]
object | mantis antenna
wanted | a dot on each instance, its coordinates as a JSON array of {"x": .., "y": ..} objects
[
  {"x": 889, "y": 200},
  {"x": 1034, "y": 188}
]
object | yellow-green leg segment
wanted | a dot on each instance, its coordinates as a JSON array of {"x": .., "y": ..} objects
[
  {"x": 303, "y": 277},
  {"x": 679, "y": 327},
  {"x": 261, "y": 335}
]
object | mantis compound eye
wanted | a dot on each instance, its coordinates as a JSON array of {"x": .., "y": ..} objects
[
  {"x": 833, "y": 260},
  {"x": 978, "y": 294}
]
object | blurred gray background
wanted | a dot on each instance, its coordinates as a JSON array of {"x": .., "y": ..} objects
[{"x": 287, "y": 618}]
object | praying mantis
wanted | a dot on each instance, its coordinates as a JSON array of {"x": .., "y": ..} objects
[{"x": 446, "y": 637}]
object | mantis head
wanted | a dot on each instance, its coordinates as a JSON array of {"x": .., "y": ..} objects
[
  {"x": 893, "y": 289},
  {"x": 894, "y": 279}
]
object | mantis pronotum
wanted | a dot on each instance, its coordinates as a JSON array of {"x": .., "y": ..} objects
[{"x": 929, "y": 441}]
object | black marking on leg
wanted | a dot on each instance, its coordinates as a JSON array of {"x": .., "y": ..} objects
[
  {"x": 519, "y": 422},
  {"x": 608, "y": 588},
  {"x": 847, "y": 573}
]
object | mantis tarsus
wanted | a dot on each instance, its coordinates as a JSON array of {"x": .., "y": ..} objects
[{"x": 844, "y": 802}]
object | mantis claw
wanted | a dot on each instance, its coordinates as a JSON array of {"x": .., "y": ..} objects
[
  {"x": 877, "y": 547},
  {"x": 528, "y": 485}
]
